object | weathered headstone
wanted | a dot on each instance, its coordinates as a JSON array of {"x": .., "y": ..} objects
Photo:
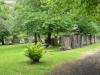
[
  {"x": 88, "y": 40},
  {"x": 26, "y": 40},
  {"x": 75, "y": 43},
  {"x": 22, "y": 40},
  {"x": 15, "y": 39},
  {"x": 65, "y": 42},
  {"x": 54, "y": 41},
  {"x": 7, "y": 41},
  {"x": 85, "y": 40}
]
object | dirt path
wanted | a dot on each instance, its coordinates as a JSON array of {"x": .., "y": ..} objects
[
  {"x": 90, "y": 53},
  {"x": 89, "y": 64}
]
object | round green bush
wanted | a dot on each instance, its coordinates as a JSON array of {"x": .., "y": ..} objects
[{"x": 35, "y": 52}]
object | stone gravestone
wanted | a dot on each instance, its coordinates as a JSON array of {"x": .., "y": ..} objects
[
  {"x": 87, "y": 40},
  {"x": 65, "y": 42},
  {"x": 78, "y": 40},
  {"x": 15, "y": 39},
  {"x": 22, "y": 40},
  {"x": 97, "y": 39},
  {"x": 92, "y": 39},
  {"x": 84, "y": 40},
  {"x": 75, "y": 41},
  {"x": 81, "y": 40},
  {"x": 7, "y": 41},
  {"x": 54, "y": 41},
  {"x": 26, "y": 40},
  {"x": 72, "y": 41}
]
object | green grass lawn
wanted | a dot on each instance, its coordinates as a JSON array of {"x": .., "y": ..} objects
[{"x": 13, "y": 61}]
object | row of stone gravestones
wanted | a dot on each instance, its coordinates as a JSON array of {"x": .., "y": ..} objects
[
  {"x": 76, "y": 41},
  {"x": 19, "y": 40},
  {"x": 66, "y": 41}
]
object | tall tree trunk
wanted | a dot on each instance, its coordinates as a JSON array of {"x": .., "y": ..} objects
[
  {"x": 86, "y": 37},
  {"x": 90, "y": 39},
  {"x": 2, "y": 40},
  {"x": 35, "y": 38},
  {"x": 39, "y": 38},
  {"x": 94, "y": 39},
  {"x": 49, "y": 38}
]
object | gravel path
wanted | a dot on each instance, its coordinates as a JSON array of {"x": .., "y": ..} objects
[{"x": 88, "y": 65}]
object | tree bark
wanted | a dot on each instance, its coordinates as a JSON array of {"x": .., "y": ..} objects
[
  {"x": 35, "y": 38},
  {"x": 86, "y": 37},
  {"x": 2, "y": 40},
  {"x": 90, "y": 39},
  {"x": 94, "y": 39},
  {"x": 49, "y": 38},
  {"x": 39, "y": 38}
]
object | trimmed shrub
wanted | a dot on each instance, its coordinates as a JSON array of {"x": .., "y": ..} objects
[{"x": 35, "y": 52}]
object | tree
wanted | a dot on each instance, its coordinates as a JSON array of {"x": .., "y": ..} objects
[
  {"x": 53, "y": 16},
  {"x": 90, "y": 5},
  {"x": 29, "y": 18},
  {"x": 40, "y": 15},
  {"x": 87, "y": 27},
  {"x": 3, "y": 33},
  {"x": 3, "y": 24}
]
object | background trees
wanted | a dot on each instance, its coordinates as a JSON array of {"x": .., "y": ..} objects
[
  {"x": 50, "y": 17},
  {"x": 45, "y": 16},
  {"x": 4, "y": 32}
]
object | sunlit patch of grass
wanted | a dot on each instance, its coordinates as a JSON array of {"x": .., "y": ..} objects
[{"x": 14, "y": 62}]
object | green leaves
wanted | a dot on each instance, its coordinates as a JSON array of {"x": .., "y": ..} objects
[
  {"x": 4, "y": 12},
  {"x": 87, "y": 27},
  {"x": 36, "y": 16},
  {"x": 35, "y": 52}
]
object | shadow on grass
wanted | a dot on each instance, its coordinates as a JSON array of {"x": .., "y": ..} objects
[{"x": 30, "y": 62}]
